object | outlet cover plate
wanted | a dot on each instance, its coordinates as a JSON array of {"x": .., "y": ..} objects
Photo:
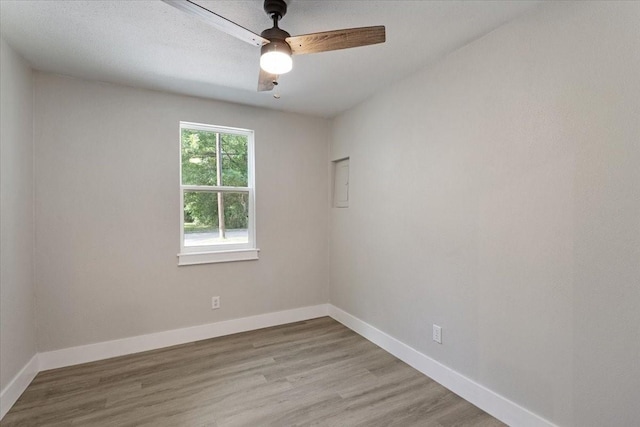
[{"x": 437, "y": 334}]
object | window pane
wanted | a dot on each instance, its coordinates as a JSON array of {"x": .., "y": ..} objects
[
  {"x": 202, "y": 224},
  {"x": 234, "y": 160},
  {"x": 198, "y": 157}
]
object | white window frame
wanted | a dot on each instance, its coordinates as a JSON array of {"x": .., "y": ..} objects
[{"x": 190, "y": 255}]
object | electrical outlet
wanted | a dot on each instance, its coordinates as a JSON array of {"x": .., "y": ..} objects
[
  {"x": 437, "y": 334},
  {"x": 215, "y": 303}
]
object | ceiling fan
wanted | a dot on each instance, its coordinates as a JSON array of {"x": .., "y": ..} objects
[{"x": 277, "y": 45}]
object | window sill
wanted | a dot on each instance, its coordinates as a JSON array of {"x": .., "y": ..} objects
[{"x": 194, "y": 258}]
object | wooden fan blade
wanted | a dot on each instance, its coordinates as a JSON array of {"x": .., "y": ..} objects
[
  {"x": 265, "y": 81},
  {"x": 335, "y": 40},
  {"x": 217, "y": 21}
]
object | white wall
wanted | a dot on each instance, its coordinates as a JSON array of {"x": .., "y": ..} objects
[
  {"x": 17, "y": 303},
  {"x": 497, "y": 194},
  {"x": 107, "y": 214}
]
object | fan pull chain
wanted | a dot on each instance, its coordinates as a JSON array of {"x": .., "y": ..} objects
[{"x": 276, "y": 94}]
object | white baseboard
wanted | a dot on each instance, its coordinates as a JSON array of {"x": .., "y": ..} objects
[
  {"x": 487, "y": 400},
  {"x": 18, "y": 385},
  {"x": 121, "y": 347}
]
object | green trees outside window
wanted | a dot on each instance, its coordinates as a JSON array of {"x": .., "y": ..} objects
[{"x": 214, "y": 159}]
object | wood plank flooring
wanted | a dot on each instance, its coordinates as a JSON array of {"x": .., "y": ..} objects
[{"x": 316, "y": 372}]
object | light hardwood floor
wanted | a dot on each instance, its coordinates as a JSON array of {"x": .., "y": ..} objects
[{"x": 316, "y": 372}]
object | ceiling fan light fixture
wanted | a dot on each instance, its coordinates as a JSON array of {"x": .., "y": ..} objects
[{"x": 276, "y": 57}]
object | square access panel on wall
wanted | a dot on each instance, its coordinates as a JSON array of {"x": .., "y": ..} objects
[{"x": 341, "y": 183}]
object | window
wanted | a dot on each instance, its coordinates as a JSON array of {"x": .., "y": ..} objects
[{"x": 217, "y": 218}]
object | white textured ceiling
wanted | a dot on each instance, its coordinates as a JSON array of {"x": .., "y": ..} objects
[{"x": 149, "y": 44}]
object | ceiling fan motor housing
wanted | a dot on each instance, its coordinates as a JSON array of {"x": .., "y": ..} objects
[
  {"x": 277, "y": 38},
  {"x": 276, "y": 45}
]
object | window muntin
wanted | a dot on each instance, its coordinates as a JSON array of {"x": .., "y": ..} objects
[{"x": 217, "y": 191}]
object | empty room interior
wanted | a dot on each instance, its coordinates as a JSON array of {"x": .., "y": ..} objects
[{"x": 372, "y": 213}]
